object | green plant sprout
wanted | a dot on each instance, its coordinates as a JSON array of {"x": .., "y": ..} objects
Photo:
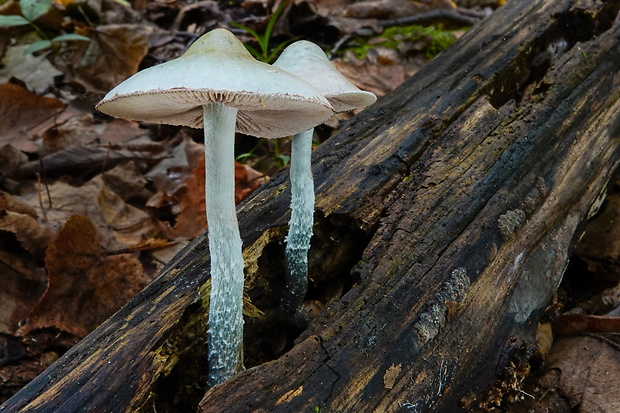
[
  {"x": 264, "y": 54},
  {"x": 279, "y": 159},
  {"x": 276, "y": 156},
  {"x": 440, "y": 39},
  {"x": 32, "y": 10}
]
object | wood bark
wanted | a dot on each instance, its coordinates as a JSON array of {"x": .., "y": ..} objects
[{"x": 445, "y": 217}]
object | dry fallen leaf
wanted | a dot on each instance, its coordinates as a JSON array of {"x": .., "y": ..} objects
[
  {"x": 191, "y": 220},
  {"x": 85, "y": 286},
  {"x": 118, "y": 223},
  {"x": 36, "y": 71},
  {"x": 570, "y": 324},
  {"x": 387, "y": 9},
  {"x": 172, "y": 171},
  {"x": 64, "y": 3},
  {"x": 130, "y": 225},
  {"x": 21, "y": 111},
  {"x": 20, "y": 374},
  {"x": 84, "y": 160},
  {"x": 611, "y": 296},
  {"x": 544, "y": 337},
  {"x": 22, "y": 277},
  {"x": 14, "y": 204},
  {"x": 127, "y": 181},
  {"x": 246, "y": 181},
  {"x": 32, "y": 235},
  {"x": 78, "y": 130},
  {"x": 119, "y": 48},
  {"x": 600, "y": 245},
  {"x": 375, "y": 78},
  {"x": 10, "y": 160},
  {"x": 590, "y": 373},
  {"x": 121, "y": 130},
  {"x": 18, "y": 218},
  {"x": 23, "y": 283}
]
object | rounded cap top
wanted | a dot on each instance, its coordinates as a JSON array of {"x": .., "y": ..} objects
[
  {"x": 217, "y": 68},
  {"x": 308, "y": 61}
]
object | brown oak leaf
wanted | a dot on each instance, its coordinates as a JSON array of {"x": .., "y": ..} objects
[{"x": 85, "y": 285}]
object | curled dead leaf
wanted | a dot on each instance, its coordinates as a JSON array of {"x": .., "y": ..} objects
[
  {"x": 590, "y": 373},
  {"x": 11, "y": 203},
  {"x": 570, "y": 324},
  {"x": 192, "y": 220},
  {"x": 85, "y": 286},
  {"x": 117, "y": 47},
  {"x": 21, "y": 111},
  {"x": 33, "y": 236},
  {"x": 23, "y": 283}
]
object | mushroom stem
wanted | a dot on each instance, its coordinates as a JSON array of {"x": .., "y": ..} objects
[
  {"x": 300, "y": 225},
  {"x": 225, "y": 310}
]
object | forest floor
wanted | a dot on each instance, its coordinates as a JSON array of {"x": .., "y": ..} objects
[{"x": 91, "y": 207}]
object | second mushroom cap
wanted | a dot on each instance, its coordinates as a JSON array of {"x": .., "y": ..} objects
[{"x": 308, "y": 61}]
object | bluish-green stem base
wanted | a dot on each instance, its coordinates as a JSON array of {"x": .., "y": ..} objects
[
  {"x": 300, "y": 225},
  {"x": 226, "y": 302}
]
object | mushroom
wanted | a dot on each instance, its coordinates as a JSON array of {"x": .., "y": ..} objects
[
  {"x": 308, "y": 61},
  {"x": 217, "y": 84}
]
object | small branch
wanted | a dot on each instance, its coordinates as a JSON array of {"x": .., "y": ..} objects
[
  {"x": 452, "y": 15},
  {"x": 40, "y": 197},
  {"x": 457, "y": 16}
]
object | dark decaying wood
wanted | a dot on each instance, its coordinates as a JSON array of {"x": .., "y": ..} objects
[{"x": 445, "y": 216}]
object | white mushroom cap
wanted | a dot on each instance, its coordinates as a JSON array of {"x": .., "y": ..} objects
[
  {"x": 308, "y": 61},
  {"x": 217, "y": 68}
]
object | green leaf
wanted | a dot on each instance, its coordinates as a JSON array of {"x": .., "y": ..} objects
[
  {"x": 282, "y": 159},
  {"x": 279, "y": 47},
  {"x": 12, "y": 21},
  {"x": 32, "y": 9},
  {"x": 254, "y": 52},
  {"x": 247, "y": 29},
  {"x": 38, "y": 45},
  {"x": 273, "y": 19},
  {"x": 70, "y": 36},
  {"x": 263, "y": 40},
  {"x": 245, "y": 156}
]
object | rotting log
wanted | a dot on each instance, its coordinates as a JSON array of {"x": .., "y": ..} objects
[{"x": 446, "y": 214}]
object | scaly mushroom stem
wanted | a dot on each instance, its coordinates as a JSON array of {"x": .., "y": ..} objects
[
  {"x": 225, "y": 310},
  {"x": 300, "y": 225}
]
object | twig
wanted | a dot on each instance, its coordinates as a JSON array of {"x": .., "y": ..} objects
[
  {"x": 542, "y": 396},
  {"x": 40, "y": 197},
  {"x": 453, "y": 15},
  {"x": 604, "y": 340},
  {"x": 43, "y": 177},
  {"x": 480, "y": 14},
  {"x": 341, "y": 42},
  {"x": 458, "y": 16},
  {"x": 106, "y": 158}
]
